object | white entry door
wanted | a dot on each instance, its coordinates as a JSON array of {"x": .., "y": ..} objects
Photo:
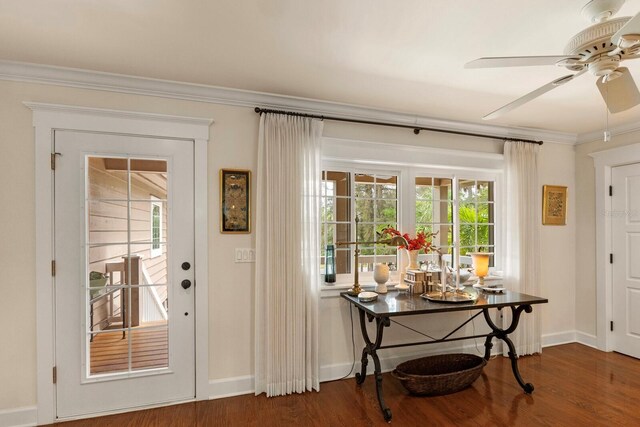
[
  {"x": 124, "y": 254},
  {"x": 626, "y": 258}
]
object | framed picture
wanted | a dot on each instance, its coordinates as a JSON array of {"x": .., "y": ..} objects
[
  {"x": 235, "y": 201},
  {"x": 554, "y": 205}
]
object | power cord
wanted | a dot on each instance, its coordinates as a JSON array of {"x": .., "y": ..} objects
[
  {"x": 353, "y": 345},
  {"x": 475, "y": 341}
]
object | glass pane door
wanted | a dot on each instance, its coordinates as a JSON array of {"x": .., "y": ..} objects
[{"x": 126, "y": 273}]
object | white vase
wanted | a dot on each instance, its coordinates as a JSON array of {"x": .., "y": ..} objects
[
  {"x": 381, "y": 276},
  {"x": 403, "y": 263},
  {"x": 413, "y": 260}
]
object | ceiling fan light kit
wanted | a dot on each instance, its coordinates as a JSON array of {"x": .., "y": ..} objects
[{"x": 599, "y": 49}]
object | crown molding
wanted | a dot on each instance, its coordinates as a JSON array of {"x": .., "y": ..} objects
[
  {"x": 96, "y": 80},
  {"x": 102, "y": 112},
  {"x": 598, "y": 135}
]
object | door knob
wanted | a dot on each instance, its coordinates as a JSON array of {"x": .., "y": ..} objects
[{"x": 186, "y": 283}]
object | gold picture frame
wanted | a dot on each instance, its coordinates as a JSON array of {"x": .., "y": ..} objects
[
  {"x": 235, "y": 201},
  {"x": 554, "y": 205}
]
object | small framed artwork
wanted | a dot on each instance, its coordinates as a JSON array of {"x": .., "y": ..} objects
[
  {"x": 554, "y": 205},
  {"x": 235, "y": 201}
]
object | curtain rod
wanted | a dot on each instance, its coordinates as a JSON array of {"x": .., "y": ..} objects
[{"x": 416, "y": 129}]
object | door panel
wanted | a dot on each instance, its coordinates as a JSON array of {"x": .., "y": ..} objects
[
  {"x": 625, "y": 220},
  {"x": 124, "y": 325}
]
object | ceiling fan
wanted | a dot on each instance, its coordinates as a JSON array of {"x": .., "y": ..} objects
[{"x": 598, "y": 49}]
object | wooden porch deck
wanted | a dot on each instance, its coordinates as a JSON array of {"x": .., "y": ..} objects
[{"x": 109, "y": 351}]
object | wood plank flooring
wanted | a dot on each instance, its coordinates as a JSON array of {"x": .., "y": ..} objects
[
  {"x": 575, "y": 386},
  {"x": 109, "y": 351}
]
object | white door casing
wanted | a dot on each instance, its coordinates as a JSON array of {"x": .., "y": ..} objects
[
  {"x": 625, "y": 228},
  {"x": 46, "y": 119},
  {"x": 78, "y": 392},
  {"x": 604, "y": 161}
]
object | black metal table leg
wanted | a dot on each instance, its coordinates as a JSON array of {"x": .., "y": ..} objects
[
  {"x": 503, "y": 334},
  {"x": 370, "y": 349}
]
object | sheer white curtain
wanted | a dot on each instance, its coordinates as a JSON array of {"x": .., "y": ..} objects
[
  {"x": 522, "y": 249},
  {"x": 287, "y": 255}
]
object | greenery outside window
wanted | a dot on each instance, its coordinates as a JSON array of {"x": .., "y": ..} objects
[
  {"x": 476, "y": 214},
  {"x": 372, "y": 198}
]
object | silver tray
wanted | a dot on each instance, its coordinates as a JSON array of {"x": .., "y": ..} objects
[{"x": 450, "y": 297}]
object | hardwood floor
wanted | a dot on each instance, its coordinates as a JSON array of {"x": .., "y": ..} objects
[
  {"x": 575, "y": 386},
  {"x": 110, "y": 352}
]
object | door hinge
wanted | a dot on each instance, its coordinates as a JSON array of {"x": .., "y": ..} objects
[
  {"x": 611, "y": 325},
  {"x": 611, "y": 190},
  {"x": 53, "y": 268},
  {"x": 53, "y": 160},
  {"x": 55, "y": 374},
  {"x": 610, "y": 258}
]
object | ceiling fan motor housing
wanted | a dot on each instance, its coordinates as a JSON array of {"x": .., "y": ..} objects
[
  {"x": 595, "y": 39},
  {"x": 592, "y": 46}
]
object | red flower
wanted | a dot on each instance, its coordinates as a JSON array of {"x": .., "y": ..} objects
[{"x": 422, "y": 241}]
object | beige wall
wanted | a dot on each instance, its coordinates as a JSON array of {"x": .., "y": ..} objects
[
  {"x": 585, "y": 234},
  {"x": 557, "y": 244},
  {"x": 233, "y": 144}
]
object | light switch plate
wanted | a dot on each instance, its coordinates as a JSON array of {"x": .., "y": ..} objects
[{"x": 243, "y": 255}]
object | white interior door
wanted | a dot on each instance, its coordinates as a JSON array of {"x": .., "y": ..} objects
[
  {"x": 625, "y": 220},
  {"x": 124, "y": 254}
]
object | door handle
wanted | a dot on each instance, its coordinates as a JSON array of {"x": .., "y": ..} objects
[{"x": 186, "y": 284}]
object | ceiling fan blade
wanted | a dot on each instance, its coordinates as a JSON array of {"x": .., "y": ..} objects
[
  {"x": 516, "y": 61},
  {"x": 532, "y": 95},
  {"x": 631, "y": 27},
  {"x": 622, "y": 91}
]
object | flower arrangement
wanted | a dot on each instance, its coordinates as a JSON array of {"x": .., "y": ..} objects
[{"x": 422, "y": 241}]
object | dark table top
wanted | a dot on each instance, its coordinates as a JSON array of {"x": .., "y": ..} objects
[{"x": 396, "y": 303}]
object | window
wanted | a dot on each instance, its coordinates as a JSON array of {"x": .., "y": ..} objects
[
  {"x": 372, "y": 198},
  {"x": 156, "y": 227},
  {"x": 434, "y": 213}
]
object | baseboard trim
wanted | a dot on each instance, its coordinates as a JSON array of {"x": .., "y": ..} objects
[
  {"x": 19, "y": 417},
  {"x": 587, "y": 339},
  {"x": 558, "y": 338},
  {"x": 234, "y": 386}
]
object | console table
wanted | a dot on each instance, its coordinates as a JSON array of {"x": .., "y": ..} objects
[{"x": 397, "y": 303}]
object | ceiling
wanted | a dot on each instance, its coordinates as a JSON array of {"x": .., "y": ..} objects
[{"x": 405, "y": 56}]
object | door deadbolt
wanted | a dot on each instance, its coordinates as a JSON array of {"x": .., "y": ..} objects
[{"x": 186, "y": 266}]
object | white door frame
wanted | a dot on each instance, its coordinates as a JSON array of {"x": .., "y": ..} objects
[
  {"x": 46, "y": 119},
  {"x": 604, "y": 161}
]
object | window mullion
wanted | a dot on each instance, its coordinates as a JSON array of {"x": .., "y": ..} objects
[{"x": 455, "y": 250}]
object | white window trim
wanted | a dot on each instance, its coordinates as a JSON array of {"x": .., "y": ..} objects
[
  {"x": 156, "y": 252},
  {"x": 408, "y": 162}
]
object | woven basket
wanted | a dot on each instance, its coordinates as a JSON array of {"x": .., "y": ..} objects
[{"x": 441, "y": 374}]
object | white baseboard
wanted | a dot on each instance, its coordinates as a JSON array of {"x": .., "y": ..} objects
[
  {"x": 587, "y": 339},
  {"x": 18, "y": 417},
  {"x": 233, "y": 386},
  {"x": 389, "y": 363},
  {"x": 558, "y": 338}
]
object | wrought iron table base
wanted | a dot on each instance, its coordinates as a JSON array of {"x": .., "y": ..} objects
[{"x": 371, "y": 347}]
